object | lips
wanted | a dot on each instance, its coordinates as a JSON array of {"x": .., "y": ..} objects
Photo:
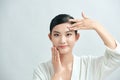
[{"x": 63, "y": 46}]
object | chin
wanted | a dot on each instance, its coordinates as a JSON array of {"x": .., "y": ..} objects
[{"x": 63, "y": 51}]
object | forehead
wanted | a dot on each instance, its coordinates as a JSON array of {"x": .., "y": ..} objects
[{"x": 62, "y": 27}]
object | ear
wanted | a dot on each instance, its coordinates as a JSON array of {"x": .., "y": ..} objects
[
  {"x": 49, "y": 35},
  {"x": 77, "y": 36}
]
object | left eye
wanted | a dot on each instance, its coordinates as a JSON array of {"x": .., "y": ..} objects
[{"x": 69, "y": 34}]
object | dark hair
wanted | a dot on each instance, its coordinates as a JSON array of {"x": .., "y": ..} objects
[{"x": 59, "y": 19}]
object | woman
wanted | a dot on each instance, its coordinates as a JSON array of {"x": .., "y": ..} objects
[{"x": 66, "y": 66}]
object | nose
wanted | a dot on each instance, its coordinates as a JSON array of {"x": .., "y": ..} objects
[{"x": 63, "y": 40}]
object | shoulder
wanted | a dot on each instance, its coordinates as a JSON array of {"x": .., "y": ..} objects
[
  {"x": 43, "y": 70},
  {"x": 88, "y": 59},
  {"x": 44, "y": 66}
]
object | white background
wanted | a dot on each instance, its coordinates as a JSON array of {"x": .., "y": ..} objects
[{"x": 24, "y": 28}]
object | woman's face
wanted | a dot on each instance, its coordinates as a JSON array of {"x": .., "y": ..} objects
[{"x": 63, "y": 39}]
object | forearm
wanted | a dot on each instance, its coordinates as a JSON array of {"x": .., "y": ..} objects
[
  {"x": 108, "y": 40},
  {"x": 61, "y": 76},
  {"x": 57, "y": 77}
]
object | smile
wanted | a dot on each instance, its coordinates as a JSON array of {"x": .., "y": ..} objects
[{"x": 64, "y": 46}]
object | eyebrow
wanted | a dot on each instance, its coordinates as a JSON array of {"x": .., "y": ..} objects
[
  {"x": 56, "y": 32},
  {"x": 59, "y": 32}
]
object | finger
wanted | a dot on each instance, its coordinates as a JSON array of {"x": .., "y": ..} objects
[
  {"x": 54, "y": 54},
  {"x": 74, "y": 20},
  {"x": 80, "y": 27},
  {"x": 77, "y": 24},
  {"x": 57, "y": 55},
  {"x": 52, "y": 49},
  {"x": 83, "y": 28},
  {"x": 74, "y": 28},
  {"x": 84, "y": 16}
]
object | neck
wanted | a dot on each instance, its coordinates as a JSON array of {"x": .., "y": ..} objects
[{"x": 66, "y": 59}]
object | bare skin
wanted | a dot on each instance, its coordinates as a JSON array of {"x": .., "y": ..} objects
[
  {"x": 62, "y": 71},
  {"x": 63, "y": 60}
]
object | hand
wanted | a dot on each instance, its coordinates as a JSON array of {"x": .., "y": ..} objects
[
  {"x": 58, "y": 68},
  {"x": 56, "y": 61},
  {"x": 60, "y": 71},
  {"x": 85, "y": 23}
]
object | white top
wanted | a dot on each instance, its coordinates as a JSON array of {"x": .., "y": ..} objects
[{"x": 85, "y": 67}]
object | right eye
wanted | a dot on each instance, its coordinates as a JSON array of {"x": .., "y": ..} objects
[{"x": 56, "y": 35}]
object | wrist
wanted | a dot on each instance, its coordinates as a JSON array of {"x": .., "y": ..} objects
[
  {"x": 57, "y": 76},
  {"x": 97, "y": 27}
]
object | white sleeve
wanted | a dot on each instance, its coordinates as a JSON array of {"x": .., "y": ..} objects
[
  {"x": 112, "y": 56},
  {"x": 102, "y": 66},
  {"x": 116, "y": 50},
  {"x": 38, "y": 73},
  {"x": 111, "y": 60}
]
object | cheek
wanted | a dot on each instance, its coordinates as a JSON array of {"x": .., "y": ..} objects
[
  {"x": 54, "y": 42},
  {"x": 71, "y": 41}
]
